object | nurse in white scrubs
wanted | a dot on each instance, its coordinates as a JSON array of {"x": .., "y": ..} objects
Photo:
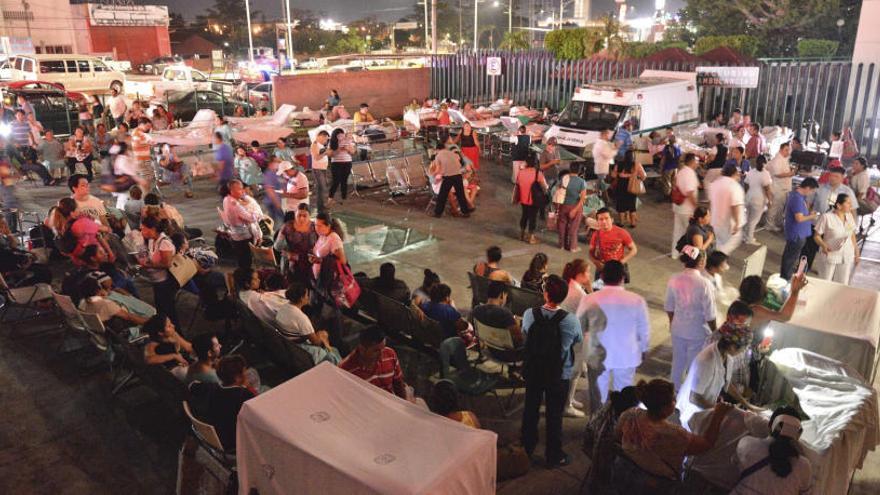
[{"x": 711, "y": 372}]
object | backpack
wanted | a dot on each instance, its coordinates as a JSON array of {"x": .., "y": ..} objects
[
  {"x": 543, "y": 352},
  {"x": 539, "y": 195}
]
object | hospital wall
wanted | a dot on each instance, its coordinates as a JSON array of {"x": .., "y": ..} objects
[{"x": 386, "y": 91}]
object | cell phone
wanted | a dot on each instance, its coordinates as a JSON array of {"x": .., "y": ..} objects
[{"x": 802, "y": 266}]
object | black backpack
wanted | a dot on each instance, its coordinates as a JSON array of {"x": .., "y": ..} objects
[{"x": 543, "y": 353}]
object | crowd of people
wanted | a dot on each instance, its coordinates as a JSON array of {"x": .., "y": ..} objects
[{"x": 592, "y": 323}]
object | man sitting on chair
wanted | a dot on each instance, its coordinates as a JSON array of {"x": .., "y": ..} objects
[
  {"x": 219, "y": 405},
  {"x": 494, "y": 312}
]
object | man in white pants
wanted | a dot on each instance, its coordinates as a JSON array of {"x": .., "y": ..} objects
[
  {"x": 781, "y": 173},
  {"x": 690, "y": 305},
  {"x": 727, "y": 205},
  {"x": 688, "y": 184},
  {"x": 619, "y": 332}
]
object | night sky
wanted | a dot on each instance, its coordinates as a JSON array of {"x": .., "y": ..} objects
[{"x": 388, "y": 10}]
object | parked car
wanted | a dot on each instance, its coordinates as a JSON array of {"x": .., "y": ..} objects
[
  {"x": 119, "y": 65},
  {"x": 5, "y": 70},
  {"x": 158, "y": 64},
  {"x": 73, "y": 95},
  {"x": 184, "y": 105},
  {"x": 74, "y": 72},
  {"x": 311, "y": 63},
  {"x": 260, "y": 95},
  {"x": 347, "y": 68},
  {"x": 180, "y": 78},
  {"x": 53, "y": 109}
]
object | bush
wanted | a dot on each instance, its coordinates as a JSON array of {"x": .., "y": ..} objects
[
  {"x": 745, "y": 44},
  {"x": 642, "y": 49},
  {"x": 813, "y": 48},
  {"x": 572, "y": 44}
]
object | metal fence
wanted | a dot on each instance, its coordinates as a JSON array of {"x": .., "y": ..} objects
[{"x": 832, "y": 94}]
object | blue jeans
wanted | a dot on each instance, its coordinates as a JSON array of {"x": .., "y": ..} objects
[{"x": 790, "y": 256}]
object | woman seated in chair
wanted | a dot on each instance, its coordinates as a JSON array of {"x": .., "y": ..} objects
[
  {"x": 652, "y": 448},
  {"x": 113, "y": 315},
  {"x": 533, "y": 278},
  {"x": 166, "y": 347}
]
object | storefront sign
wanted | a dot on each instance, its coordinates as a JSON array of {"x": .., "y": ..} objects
[
  {"x": 728, "y": 77},
  {"x": 127, "y": 15}
]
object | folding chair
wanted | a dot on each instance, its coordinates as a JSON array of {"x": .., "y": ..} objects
[
  {"x": 71, "y": 319},
  {"x": 500, "y": 349},
  {"x": 24, "y": 299},
  {"x": 479, "y": 289},
  {"x": 521, "y": 300},
  {"x": 207, "y": 438},
  {"x": 468, "y": 380}
]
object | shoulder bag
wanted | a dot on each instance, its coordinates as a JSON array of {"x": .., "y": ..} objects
[
  {"x": 636, "y": 184},
  {"x": 183, "y": 269}
]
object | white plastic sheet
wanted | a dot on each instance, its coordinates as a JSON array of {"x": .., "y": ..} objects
[
  {"x": 834, "y": 320},
  {"x": 843, "y": 425},
  {"x": 326, "y": 432}
]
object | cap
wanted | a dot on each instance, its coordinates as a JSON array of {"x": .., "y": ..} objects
[{"x": 284, "y": 167}]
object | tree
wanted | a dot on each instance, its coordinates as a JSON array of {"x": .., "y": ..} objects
[
  {"x": 229, "y": 17},
  {"x": 777, "y": 23},
  {"x": 811, "y": 48},
  {"x": 515, "y": 40},
  {"x": 609, "y": 36},
  {"x": 176, "y": 21}
]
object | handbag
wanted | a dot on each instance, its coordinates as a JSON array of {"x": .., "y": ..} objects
[
  {"x": 636, "y": 185},
  {"x": 183, "y": 269},
  {"x": 514, "y": 198},
  {"x": 677, "y": 196},
  {"x": 539, "y": 195},
  {"x": 346, "y": 291},
  {"x": 559, "y": 193},
  {"x": 552, "y": 218}
]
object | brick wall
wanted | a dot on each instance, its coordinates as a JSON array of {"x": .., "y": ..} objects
[{"x": 386, "y": 91}]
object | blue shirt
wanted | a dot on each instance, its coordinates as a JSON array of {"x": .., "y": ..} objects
[
  {"x": 270, "y": 181},
  {"x": 570, "y": 328},
  {"x": 794, "y": 230},
  {"x": 624, "y": 137},
  {"x": 744, "y": 167},
  {"x": 223, "y": 156},
  {"x": 445, "y": 314},
  {"x": 573, "y": 191}
]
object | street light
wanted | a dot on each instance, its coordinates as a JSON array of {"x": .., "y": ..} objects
[{"x": 247, "y": 8}]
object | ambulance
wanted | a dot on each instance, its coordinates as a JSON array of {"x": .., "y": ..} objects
[{"x": 654, "y": 100}]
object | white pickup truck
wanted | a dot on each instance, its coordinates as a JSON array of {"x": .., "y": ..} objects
[
  {"x": 182, "y": 78},
  {"x": 118, "y": 65}
]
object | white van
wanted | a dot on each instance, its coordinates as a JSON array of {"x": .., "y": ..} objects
[
  {"x": 75, "y": 72},
  {"x": 652, "y": 101}
]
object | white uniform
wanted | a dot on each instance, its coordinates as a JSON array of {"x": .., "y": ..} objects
[
  {"x": 756, "y": 200},
  {"x": 725, "y": 194},
  {"x": 689, "y": 296},
  {"x": 687, "y": 182},
  {"x": 780, "y": 189},
  {"x": 838, "y": 264}
]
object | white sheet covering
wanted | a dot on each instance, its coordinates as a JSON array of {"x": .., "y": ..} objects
[
  {"x": 834, "y": 320},
  {"x": 328, "y": 432},
  {"x": 843, "y": 425}
]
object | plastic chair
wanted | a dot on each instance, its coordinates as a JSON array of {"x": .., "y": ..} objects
[{"x": 207, "y": 438}]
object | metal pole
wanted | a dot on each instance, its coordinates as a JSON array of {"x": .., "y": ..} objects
[
  {"x": 290, "y": 34},
  {"x": 476, "y": 24},
  {"x": 247, "y": 8},
  {"x": 434, "y": 26},
  {"x": 426, "y": 26},
  {"x": 510, "y": 16},
  {"x": 460, "y": 32}
]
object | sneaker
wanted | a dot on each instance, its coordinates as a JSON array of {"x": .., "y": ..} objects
[
  {"x": 571, "y": 412},
  {"x": 563, "y": 461},
  {"x": 577, "y": 404},
  {"x": 754, "y": 243}
]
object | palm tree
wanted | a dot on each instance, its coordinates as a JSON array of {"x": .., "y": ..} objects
[{"x": 515, "y": 40}]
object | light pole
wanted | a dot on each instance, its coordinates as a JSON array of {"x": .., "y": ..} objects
[
  {"x": 434, "y": 26},
  {"x": 476, "y": 24},
  {"x": 247, "y": 8},
  {"x": 289, "y": 33},
  {"x": 426, "y": 25}
]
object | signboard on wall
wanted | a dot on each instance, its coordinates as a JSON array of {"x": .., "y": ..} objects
[
  {"x": 728, "y": 77},
  {"x": 493, "y": 66},
  {"x": 127, "y": 15}
]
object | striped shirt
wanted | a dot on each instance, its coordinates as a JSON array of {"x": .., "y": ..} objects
[
  {"x": 140, "y": 145},
  {"x": 384, "y": 373},
  {"x": 21, "y": 133}
]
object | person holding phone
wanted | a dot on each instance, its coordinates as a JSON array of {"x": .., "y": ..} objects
[{"x": 798, "y": 225}]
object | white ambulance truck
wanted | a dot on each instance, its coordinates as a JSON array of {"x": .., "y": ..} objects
[{"x": 652, "y": 101}]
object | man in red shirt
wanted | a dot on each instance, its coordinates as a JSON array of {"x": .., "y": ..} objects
[
  {"x": 610, "y": 242},
  {"x": 374, "y": 362}
]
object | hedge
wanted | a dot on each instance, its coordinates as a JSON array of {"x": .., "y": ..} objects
[
  {"x": 642, "y": 49},
  {"x": 745, "y": 44},
  {"x": 572, "y": 44},
  {"x": 814, "y": 48}
]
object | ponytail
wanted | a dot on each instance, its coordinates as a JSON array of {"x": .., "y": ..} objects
[
  {"x": 574, "y": 268},
  {"x": 782, "y": 451}
]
